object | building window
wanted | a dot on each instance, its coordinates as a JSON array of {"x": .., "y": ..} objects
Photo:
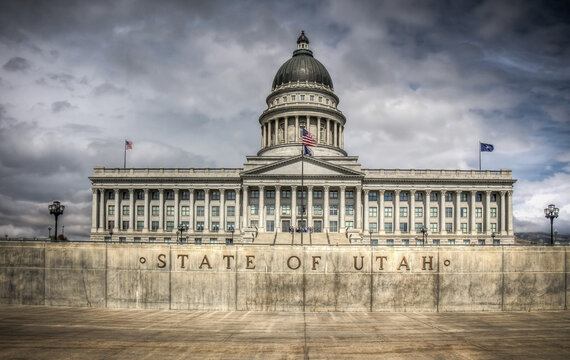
[
  {"x": 320, "y": 99},
  {"x": 419, "y": 196},
  {"x": 493, "y": 197},
  {"x": 388, "y": 227},
  {"x": 215, "y": 225},
  {"x": 270, "y": 194},
  {"x": 110, "y": 225},
  {"x": 493, "y": 212},
  {"x": 302, "y": 97},
  {"x": 463, "y": 212},
  {"x": 154, "y": 195},
  {"x": 449, "y": 227},
  {"x": 433, "y": 196},
  {"x": 301, "y": 194},
  {"x": 478, "y": 212},
  {"x": 254, "y": 194},
  {"x": 254, "y": 223},
  {"x": 405, "y": 242},
  {"x": 479, "y": 227},
  {"x": 433, "y": 212},
  {"x": 373, "y": 196},
  {"x": 404, "y": 196},
  {"x": 277, "y": 101},
  {"x": 185, "y": 195},
  {"x": 349, "y": 194},
  {"x": 155, "y": 210},
  {"x": 170, "y": 195},
  {"x": 387, "y": 196},
  {"x": 451, "y": 241},
  {"x": 373, "y": 211},
  {"x": 140, "y": 225},
  {"x": 312, "y": 97},
  {"x": 292, "y": 97},
  {"x": 170, "y": 211},
  {"x": 419, "y": 212},
  {"x": 478, "y": 197},
  {"x": 186, "y": 224},
  {"x": 122, "y": 239},
  {"x": 285, "y": 209},
  {"x": 140, "y": 210},
  {"x": 317, "y": 194},
  {"x": 285, "y": 194},
  {"x": 333, "y": 194},
  {"x": 349, "y": 224},
  {"x": 404, "y": 227},
  {"x": 301, "y": 210},
  {"x": 284, "y": 99},
  {"x": 349, "y": 210},
  {"x": 186, "y": 211},
  {"x": 154, "y": 225},
  {"x": 231, "y": 195},
  {"x": 125, "y": 209},
  {"x": 436, "y": 241},
  {"x": 463, "y": 197},
  {"x": 448, "y": 197},
  {"x": 373, "y": 226},
  {"x": 140, "y": 195},
  {"x": 111, "y": 210},
  {"x": 199, "y": 225},
  {"x": 254, "y": 210},
  {"x": 200, "y": 195},
  {"x": 464, "y": 228},
  {"x": 448, "y": 212},
  {"x": 231, "y": 211},
  {"x": 216, "y": 195},
  {"x": 231, "y": 225},
  {"x": 215, "y": 211},
  {"x": 125, "y": 225},
  {"x": 493, "y": 227},
  {"x": 270, "y": 209},
  {"x": 418, "y": 226},
  {"x": 111, "y": 195},
  {"x": 403, "y": 212},
  {"x": 126, "y": 195},
  {"x": 151, "y": 239},
  {"x": 433, "y": 227},
  {"x": 333, "y": 226},
  {"x": 200, "y": 210},
  {"x": 198, "y": 241},
  {"x": 169, "y": 225},
  {"x": 388, "y": 212},
  {"x": 317, "y": 210},
  {"x": 269, "y": 225},
  {"x": 333, "y": 210}
]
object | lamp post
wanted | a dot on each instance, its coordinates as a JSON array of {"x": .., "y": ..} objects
[
  {"x": 111, "y": 235},
  {"x": 62, "y": 232},
  {"x": 49, "y": 232},
  {"x": 370, "y": 232},
  {"x": 232, "y": 230},
  {"x": 56, "y": 209},
  {"x": 551, "y": 212},
  {"x": 493, "y": 237},
  {"x": 424, "y": 232},
  {"x": 181, "y": 229}
]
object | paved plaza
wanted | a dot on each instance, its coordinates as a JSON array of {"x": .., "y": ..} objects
[{"x": 28, "y": 332}]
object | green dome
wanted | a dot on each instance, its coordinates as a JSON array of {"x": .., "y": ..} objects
[{"x": 302, "y": 67}]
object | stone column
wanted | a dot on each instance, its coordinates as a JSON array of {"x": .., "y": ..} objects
[
  {"x": 426, "y": 209},
  {"x": 358, "y": 208},
  {"x": 261, "y": 207},
  {"x": 472, "y": 213},
  {"x": 328, "y": 140},
  {"x": 206, "y": 209},
  {"x": 326, "y": 209},
  {"x": 191, "y": 214},
  {"x": 442, "y": 213},
  {"x": 318, "y": 130},
  {"x": 94, "y": 205},
  {"x": 458, "y": 212},
  {"x": 365, "y": 211},
  {"x": 222, "y": 209},
  {"x": 510, "y": 213},
  {"x": 117, "y": 211},
  {"x": 297, "y": 133},
  {"x": 245, "y": 200},
  {"x": 381, "y": 211},
  {"x": 294, "y": 206},
  {"x": 503, "y": 209},
  {"x": 176, "y": 208},
  {"x": 146, "y": 210},
  {"x": 412, "y": 214},
  {"x": 342, "y": 208},
  {"x": 340, "y": 136},
  {"x": 397, "y": 212},
  {"x": 277, "y": 208},
  {"x": 131, "y": 210},
  {"x": 161, "y": 216},
  {"x": 102, "y": 211},
  {"x": 237, "y": 210},
  {"x": 488, "y": 212},
  {"x": 335, "y": 135},
  {"x": 309, "y": 206}
]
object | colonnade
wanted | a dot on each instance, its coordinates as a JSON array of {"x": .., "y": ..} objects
[{"x": 286, "y": 130}]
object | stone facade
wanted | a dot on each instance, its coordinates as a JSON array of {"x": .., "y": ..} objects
[{"x": 279, "y": 189}]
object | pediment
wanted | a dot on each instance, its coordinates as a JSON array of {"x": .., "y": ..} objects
[{"x": 310, "y": 167}]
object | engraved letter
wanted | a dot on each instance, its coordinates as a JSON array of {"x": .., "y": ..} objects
[
  {"x": 430, "y": 262},
  {"x": 161, "y": 261},
  {"x": 382, "y": 258},
  {"x": 249, "y": 261},
  {"x": 229, "y": 257},
  {"x": 361, "y": 263},
  {"x": 180, "y": 256},
  {"x": 315, "y": 262},
  {"x": 205, "y": 262},
  {"x": 404, "y": 262},
  {"x": 289, "y": 262}
]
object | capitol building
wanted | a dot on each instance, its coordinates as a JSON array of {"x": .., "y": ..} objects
[{"x": 281, "y": 196}]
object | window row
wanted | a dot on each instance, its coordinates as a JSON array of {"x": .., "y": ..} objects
[
  {"x": 302, "y": 97},
  {"x": 433, "y": 196},
  {"x": 169, "y": 195},
  {"x": 433, "y": 227},
  {"x": 170, "y": 226}
]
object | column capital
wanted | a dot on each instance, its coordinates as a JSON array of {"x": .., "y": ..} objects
[
  {"x": 397, "y": 191},
  {"x": 503, "y": 192},
  {"x": 413, "y": 191},
  {"x": 381, "y": 191},
  {"x": 176, "y": 191},
  {"x": 326, "y": 187},
  {"x": 343, "y": 187},
  {"x": 510, "y": 192},
  {"x": 473, "y": 192},
  {"x": 488, "y": 192},
  {"x": 146, "y": 191},
  {"x": 277, "y": 187},
  {"x": 366, "y": 191},
  {"x": 116, "y": 190},
  {"x": 310, "y": 187},
  {"x": 428, "y": 191},
  {"x": 458, "y": 191},
  {"x": 444, "y": 191}
]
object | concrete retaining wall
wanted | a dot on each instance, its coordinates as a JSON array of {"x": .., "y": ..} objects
[{"x": 284, "y": 278}]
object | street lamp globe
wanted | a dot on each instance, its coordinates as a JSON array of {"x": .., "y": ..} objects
[
  {"x": 56, "y": 209},
  {"x": 551, "y": 212}
]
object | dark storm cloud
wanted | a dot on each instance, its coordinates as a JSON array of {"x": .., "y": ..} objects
[
  {"x": 16, "y": 64},
  {"x": 108, "y": 89},
  {"x": 60, "y": 106}
]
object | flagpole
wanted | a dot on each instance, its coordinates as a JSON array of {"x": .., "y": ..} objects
[
  {"x": 125, "y": 154},
  {"x": 302, "y": 188}
]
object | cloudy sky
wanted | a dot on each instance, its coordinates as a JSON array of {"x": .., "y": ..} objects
[{"x": 420, "y": 82}]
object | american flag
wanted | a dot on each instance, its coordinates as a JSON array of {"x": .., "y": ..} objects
[
  {"x": 307, "y": 138},
  {"x": 128, "y": 145}
]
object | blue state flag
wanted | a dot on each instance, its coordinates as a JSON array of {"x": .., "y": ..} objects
[
  {"x": 487, "y": 147},
  {"x": 307, "y": 151}
]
